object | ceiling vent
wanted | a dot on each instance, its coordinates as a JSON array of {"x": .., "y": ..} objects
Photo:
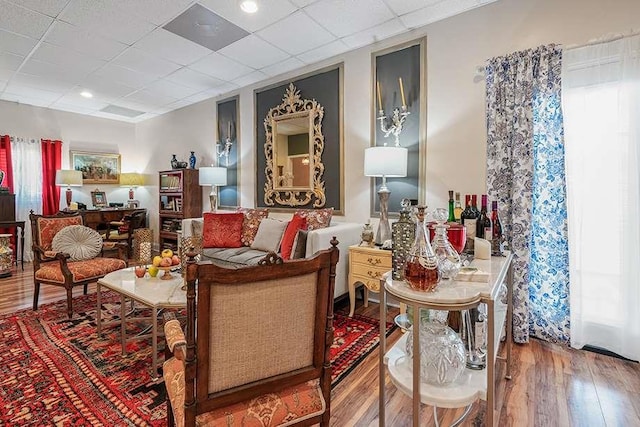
[{"x": 121, "y": 111}]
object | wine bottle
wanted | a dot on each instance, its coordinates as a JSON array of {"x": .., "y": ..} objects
[
  {"x": 474, "y": 205},
  {"x": 496, "y": 231},
  {"x": 483, "y": 225},
  {"x": 452, "y": 217},
  {"x": 457, "y": 210},
  {"x": 468, "y": 218}
]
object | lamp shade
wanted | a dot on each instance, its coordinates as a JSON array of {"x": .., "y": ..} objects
[
  {"x": 131, "y": 179},
  {"x": 69, "y": 177},
  {"x": 385, "y": 161},
  {"x": 213, "y": 175}
]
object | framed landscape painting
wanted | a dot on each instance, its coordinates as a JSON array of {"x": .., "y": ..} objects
[{"x": 97, "y": 168}]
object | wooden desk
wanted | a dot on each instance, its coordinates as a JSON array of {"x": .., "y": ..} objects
[
  {"x": 94, "y": 218},
  {"x": 15, "y": 225}
]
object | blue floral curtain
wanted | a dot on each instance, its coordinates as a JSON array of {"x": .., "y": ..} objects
[{"x": 525, "y": 173}]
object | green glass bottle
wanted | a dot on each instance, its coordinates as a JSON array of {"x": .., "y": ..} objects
[{"x": 452, "y": 217}]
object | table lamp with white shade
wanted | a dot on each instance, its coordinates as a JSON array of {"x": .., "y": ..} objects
[
  {"x": 213, "y": 176},
  {"x": 70, "y": 178},
  {"x": 385, "y": 162},
  {"x": 131, "y": 180}
]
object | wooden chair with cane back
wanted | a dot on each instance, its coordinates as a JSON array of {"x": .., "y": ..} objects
[{"x": 257, "y": 344}]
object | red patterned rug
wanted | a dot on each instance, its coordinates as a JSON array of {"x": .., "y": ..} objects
[{"x": 54, "y": 371}]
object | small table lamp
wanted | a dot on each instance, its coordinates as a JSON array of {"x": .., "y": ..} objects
[
  {"x": 385, "y": 162},
  {"x": 131, "y": 180},
  {"x": 213, "y": 176},
  {"x": 70, "y": 178}
]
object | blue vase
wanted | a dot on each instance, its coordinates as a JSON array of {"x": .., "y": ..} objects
[{"x": 192, "y": 160}]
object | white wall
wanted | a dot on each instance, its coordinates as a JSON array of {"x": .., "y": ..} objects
[
  {"x": 79, "y": 133},
  {"x": 456, "y": 134}
]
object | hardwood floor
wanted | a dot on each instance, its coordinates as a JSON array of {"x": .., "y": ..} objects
[{"x": 552, "y": 385}]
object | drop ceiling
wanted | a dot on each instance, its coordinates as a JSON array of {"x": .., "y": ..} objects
[{"x": 128, "y": 55}]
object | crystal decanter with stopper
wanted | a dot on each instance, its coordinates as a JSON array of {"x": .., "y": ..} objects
[
  {"x": 421, "y": 266},
  {"x": 449, "y": 262}
]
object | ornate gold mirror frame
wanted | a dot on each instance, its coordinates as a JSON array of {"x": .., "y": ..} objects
[{"x": 294, "y": 107}]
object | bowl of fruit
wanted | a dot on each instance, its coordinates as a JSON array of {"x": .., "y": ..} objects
[{"x": 166, "y": 261}]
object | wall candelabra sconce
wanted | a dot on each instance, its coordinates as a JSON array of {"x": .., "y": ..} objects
[
  {"x": 224, "y": 150},
  {"x": 392, "y": 125}
]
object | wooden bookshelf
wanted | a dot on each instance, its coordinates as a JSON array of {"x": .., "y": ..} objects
[{"x": 180, "y": 197}]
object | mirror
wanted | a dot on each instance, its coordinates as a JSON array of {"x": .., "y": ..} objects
[{"x": 293, "y": 150}]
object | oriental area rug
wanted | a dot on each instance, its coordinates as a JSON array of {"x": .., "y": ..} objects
[{"x": 54, "y": 370}]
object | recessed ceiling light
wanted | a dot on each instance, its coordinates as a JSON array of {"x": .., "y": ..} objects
[
  {"x": 86, "y": 94},
  {"x": 249, "y": 6}
]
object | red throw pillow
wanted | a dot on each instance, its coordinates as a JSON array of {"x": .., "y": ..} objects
[
  {"x": 222, "y": 230},
  {"x": 289, "y": 236}
]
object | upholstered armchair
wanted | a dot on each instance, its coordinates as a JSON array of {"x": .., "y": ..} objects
[
  {"x": 262, "y": 338},
  {"x": 66, "y": 254}
]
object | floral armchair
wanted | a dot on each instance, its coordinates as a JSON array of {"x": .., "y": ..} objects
[
  {"x": 60, "y": 268},
  {"x": 261, "y": 360}
]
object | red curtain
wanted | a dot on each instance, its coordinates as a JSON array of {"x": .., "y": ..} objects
[
  {"x": 5, "y": 161},
  {"x": 51, "y": 162}
]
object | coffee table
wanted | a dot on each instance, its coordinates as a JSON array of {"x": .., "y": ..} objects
[{"x": 149, "y": 291}]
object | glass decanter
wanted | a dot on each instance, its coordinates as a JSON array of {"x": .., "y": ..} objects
[
  {"x": 442, "y": 353},
  {"x": 449, "y": 262},
  {"x": 421, "y": 266}
]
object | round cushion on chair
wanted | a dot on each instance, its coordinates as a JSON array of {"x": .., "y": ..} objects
[{"x": 78, "y": 241}]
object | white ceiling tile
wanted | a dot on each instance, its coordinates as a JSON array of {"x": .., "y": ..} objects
[
  {"x": 302, "y": 3},
  {"x": 224, "y": 88},
  {"x": 148, "y": 97},
  {"x": 270, "y": 11},
  {"x": 25, "y": 99},
  {"x": 323, "y": 52},
  {"x": 72, "y": 108},
  {"x": 22, "y": 90},
  {"x": 155, "y": 11},
  {"x": 9, "y": 61},
  {"x": 136, "y": 60},
  {"x": 343, "y": 18},
  {"x": 64, "y": 58},
  {"x": 254, "y": 52},
  {"x": 48, "y": 7},
  {"x": 46, "y": 70},
  {"x": 105, "y": 18},
  {"x": 15, "y": 43},
  {"x": 23, "y": 21},
  {"x": 194, "y": 79},
  {"x": 282, "y": 67},
  {"x": 280, "y": 34},
  {"x": 167, "y": 45},
  {"x": 44, "y": 82},
  {"x": 83, "y": 41},
  {"x": 125, "y": 76},
  {"x": 5, "y": 75},
  {"x": 76, "y": 99},
  {"x": 167, "y": 88},
  {"x": 249, "y": 79},
  {"x": 375, "y": 34},
  {"x": 438, "y": 11},
  {"x": 400, "y": 7},
  {"x": 104, "y": 88},
  {"x": 220, "y": 67},
  {"x": 201, "y": 96}
]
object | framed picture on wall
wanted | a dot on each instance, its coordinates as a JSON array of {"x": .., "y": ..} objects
[{"x": 97, "y": 168}]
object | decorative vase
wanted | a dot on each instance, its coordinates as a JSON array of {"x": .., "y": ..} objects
[
  {"x": 367, "y": 235},
  {"x": 192, "y": 160},
  {"x": 5, "y": 255},
  {"x": 402, "y": 236},
  {"x": 421, "y": 267},
  {"x": 448, "y": 258},
  {"x": 442, "y": 355},
  {"x": 174, "y": 162}
]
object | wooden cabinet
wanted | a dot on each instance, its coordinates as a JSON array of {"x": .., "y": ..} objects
[
  {"x": 180, "y": 197},
  {"x": 366, "y": 266},
  {"x": 7, "y": 207}
]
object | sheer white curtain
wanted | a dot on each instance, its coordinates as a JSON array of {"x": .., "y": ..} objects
[
  {"x": 27, "y": 183},
  {"x": 601, "y": 103}
]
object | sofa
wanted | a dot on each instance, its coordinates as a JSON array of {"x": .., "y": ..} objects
[{"x": 317, "y": 239}]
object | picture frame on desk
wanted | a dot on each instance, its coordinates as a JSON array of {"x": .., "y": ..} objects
[
  {"x": 97, "y": 168},
  {"x": 99, "y": 199}
]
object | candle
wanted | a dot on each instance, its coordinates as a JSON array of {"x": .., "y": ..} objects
[
  {"x": 379, "y": 96},
  {"x": 404, "y": 103},
  {"x": 229, "y": 131}
]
